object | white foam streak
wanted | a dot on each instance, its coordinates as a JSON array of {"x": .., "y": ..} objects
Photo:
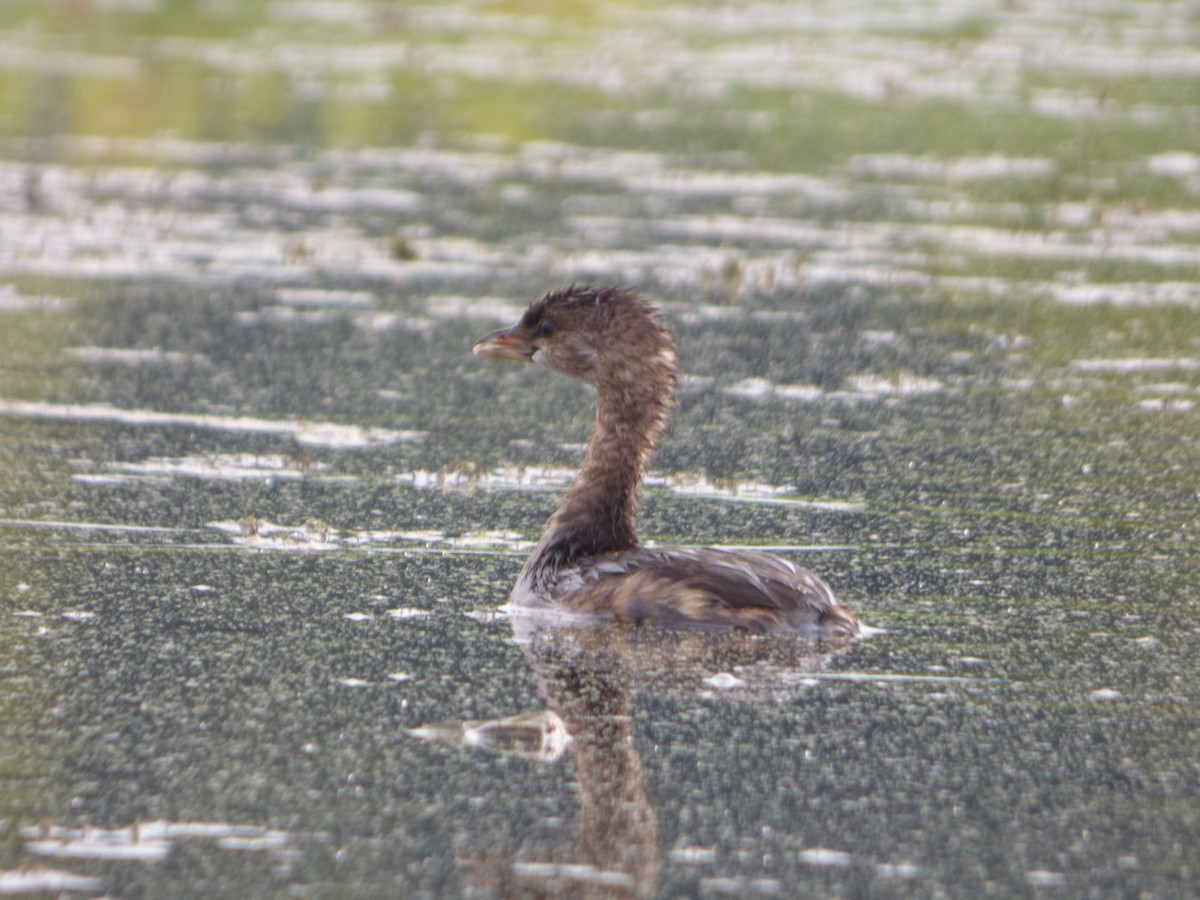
[
  {"x": 149, "y": 841},
  {"x": 130, "y": 356},
  {"x": 317, "y": 434},
  {"x": 939, "y": 169},
  {"x": 91, "y": 526},
  {"x": 46, "y": 881},
  {"x": 13, "y": 302},
  {"x": 223, "y": 467},
  {"x": 585, "y": 874},
  {"x": 1136, "y": 364},
  {"x": 331, "y": 298}
]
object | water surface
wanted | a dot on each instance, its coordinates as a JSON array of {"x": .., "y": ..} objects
[{"x": 932, "y": 270}]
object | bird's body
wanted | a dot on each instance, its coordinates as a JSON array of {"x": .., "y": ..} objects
[{"x": 589, "y": 561}]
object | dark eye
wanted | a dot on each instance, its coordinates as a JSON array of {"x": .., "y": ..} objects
[{"x": 545, "y": 328}]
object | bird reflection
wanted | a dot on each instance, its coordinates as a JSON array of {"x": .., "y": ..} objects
[{"x": 589, "y": 676}]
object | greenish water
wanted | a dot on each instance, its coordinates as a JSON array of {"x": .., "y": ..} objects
[{"x": 932, "y": 271}]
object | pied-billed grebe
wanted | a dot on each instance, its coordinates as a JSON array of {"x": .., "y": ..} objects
[{"x": 589, "y": 561}]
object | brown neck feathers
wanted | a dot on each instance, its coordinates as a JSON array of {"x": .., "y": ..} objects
[{"x": 599, "y": 513}]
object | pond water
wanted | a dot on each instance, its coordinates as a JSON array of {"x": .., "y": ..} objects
[{"x": 932, "y": 269}]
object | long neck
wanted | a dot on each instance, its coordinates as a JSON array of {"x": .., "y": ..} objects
[{"x": 599, "y": 512}]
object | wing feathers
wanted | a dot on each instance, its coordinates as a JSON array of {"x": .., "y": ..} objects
[{"x": 707, "y": 588}]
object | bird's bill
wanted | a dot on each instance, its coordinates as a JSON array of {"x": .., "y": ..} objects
[{"x": 507, "y": 343}]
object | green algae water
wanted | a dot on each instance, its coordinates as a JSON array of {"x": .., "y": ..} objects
[{"x": 932, "y": 270}]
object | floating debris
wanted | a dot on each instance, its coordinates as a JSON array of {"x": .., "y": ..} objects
[
  {"x": 1045, "y": 878},
  {"x": 538, "y": 735},
  {"x": 724, "y": 681}
]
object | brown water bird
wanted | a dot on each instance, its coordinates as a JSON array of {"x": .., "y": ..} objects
[{"x": 589, "y": 561}]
